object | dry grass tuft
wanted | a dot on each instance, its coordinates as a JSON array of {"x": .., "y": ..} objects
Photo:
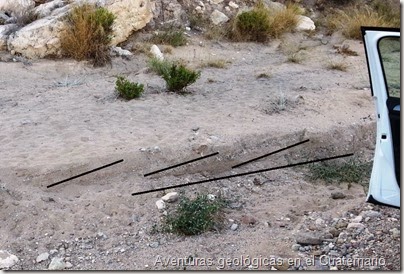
[
  {"x": 220, "y": 64},
  {"x": 88, "y": 34},
  {"x": 337, "y": 65},
  {"x": 350, "y": 20}
]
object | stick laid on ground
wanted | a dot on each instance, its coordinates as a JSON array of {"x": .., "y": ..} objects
[
  {"x": 243, "y": 174},
  {"x": 85, "y": 173},
  {"x": 271, "y": 153},
  {"x": 181, "y": 164}
]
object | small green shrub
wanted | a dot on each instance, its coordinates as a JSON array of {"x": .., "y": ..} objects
[
  {"x": 178, "y": 77},
  {"x": 253, "y": 25},
  {"x": 88, "y": 34},
  {"x": 193, "y": 217},
  {"x": 128, "y": 90},
  {"x": 173, "y": 37}
]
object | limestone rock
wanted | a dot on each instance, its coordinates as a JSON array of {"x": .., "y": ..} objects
[
  {"x": 170, "y": 197},
  {"x": 160, "y": 205},
  {"x": 46, "y": 9},
  {"x": 131, "y": 15},
  {"x": 118, "y": 51},
  {"x": 218, "y": 17},
  {"x": 233, "y": 5},
  {"x": 42, "y": 257},
  {"x": 307, "y": 238},
  {"x": 16, "y": 6},
  {"x": 156, "y": 52},
  {"x": 355, "y": 225},
  {"x": 38, "y": 39},
  {"x": 275, "y": 6},
  {"x": 7, "y": 259},
  {"x": 305, "y": 24},
  {"x": 57, "y": 264}
]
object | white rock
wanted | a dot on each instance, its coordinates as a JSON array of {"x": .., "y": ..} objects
[
  {"x": 355, "y": 225},
  {"x": 156, "y": 52},
  {"x": 216, "y": 1},
  {"x": 234, "y": 227},
  {"x": 333, "y": 268},
  {"x": 218, "y": 17},
  {"x": 57, "y": 264},
  {"x": 46, "y": 9},
  {"x": 42, "y": 37},
  {"x": 211, "y": 197},
  {"x": 7, "y": 259},
  {"x": 233, "y": 5},
  {"x": 16, "y": 6},
  {"x": 118, "y": 51},
  {"x": 275, "y": 6},
  {"x": 131, "y": 15},
  {"x": 42, "y": 257},
  {"x": 38, "y": 39},
  {"x": 69, "y": 265},
  {"x": 305, "y": 24},
  {"x": 160, "y": 205},
  {"x": 357, "y": 219},
  {"x": 170, "y": 197}
]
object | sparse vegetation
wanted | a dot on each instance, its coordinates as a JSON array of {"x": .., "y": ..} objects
[
  {"x": 345, "y": 50},
  {"x": 352, "y": 18},
  {"x": 159, "y": 66},
  {"x": 295, "y": 57},
  {"x": 337, "y": 65},
  {"x": 352, "y": 171},
  {"x": 193, "y": 217},
  {"x": 128, "y": 90},
  {"x": 88, "y": 34},
  {"x": 170, "y": 36},
  {"x": 219, "y": 63},
  {"x": 263, "y": 76}
]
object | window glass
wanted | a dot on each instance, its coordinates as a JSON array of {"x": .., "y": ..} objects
[{"x": 389, "y": 48}]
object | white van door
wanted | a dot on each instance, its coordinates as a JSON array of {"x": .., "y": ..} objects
[{"x": 382, "y": 47}]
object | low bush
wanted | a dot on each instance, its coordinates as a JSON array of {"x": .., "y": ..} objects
[
  {"x": 253, "y": 25},
  {"x": 193, "y": 217},
  {"x": 260, "y": 23},
  {"x": 176, "y": 75},
  {"x": 88, "y": 34},
  {"x": 179, "y": 77},
  {"x": 128, "y": 90}
]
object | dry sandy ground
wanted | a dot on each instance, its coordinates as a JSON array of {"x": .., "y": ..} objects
[{"x": 62, "y": 118}]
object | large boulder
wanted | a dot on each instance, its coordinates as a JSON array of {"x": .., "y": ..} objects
[
  {"x": 16, "y": 6},
  {"x": 42, "y": 37},
  {"x": 131, "y": 15}
]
